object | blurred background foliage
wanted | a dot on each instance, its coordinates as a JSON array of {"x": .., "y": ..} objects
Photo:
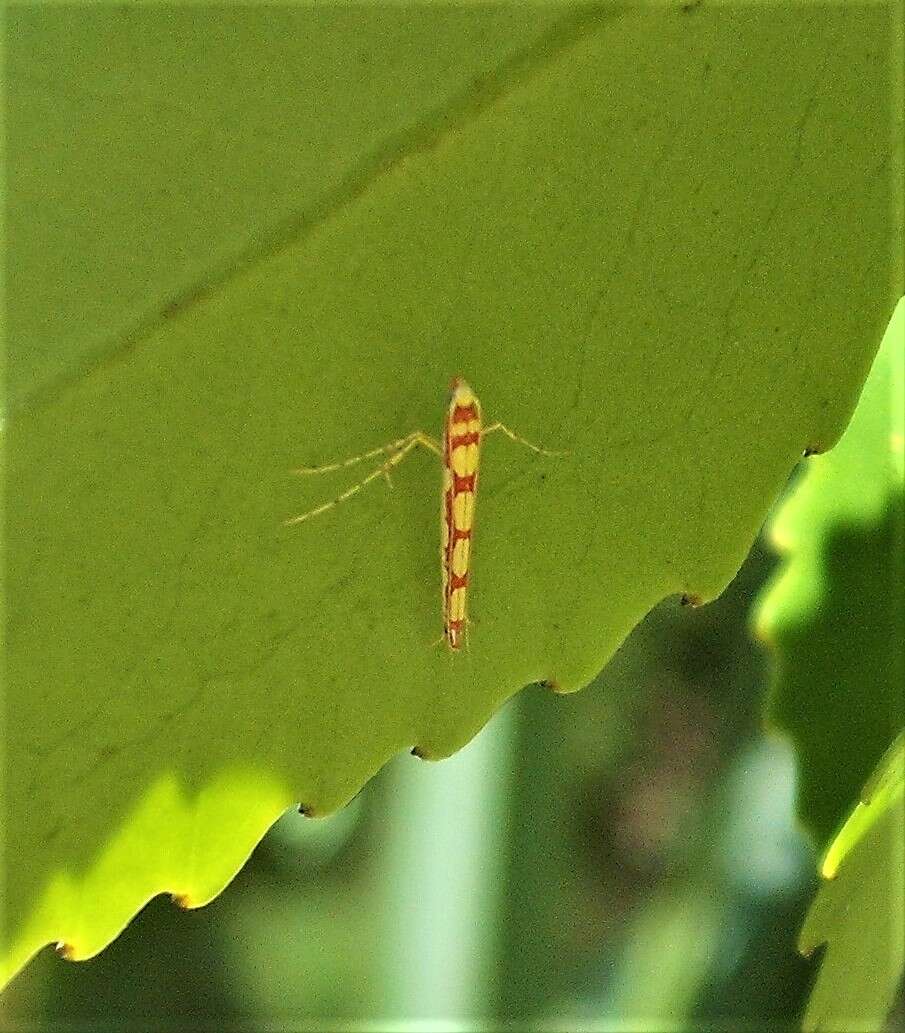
[
  {"x": 834, "y": 612},
  {"x": 834, "y": 615}
]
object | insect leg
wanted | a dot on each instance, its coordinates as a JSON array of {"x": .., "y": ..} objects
[
  {"x": 412, "y": 441},
  {"x": 520, "y": 440},
  {"x": 390, "y": 448}
]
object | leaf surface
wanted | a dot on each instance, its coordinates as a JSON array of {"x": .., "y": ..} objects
[{"x": 648, "y": 237}]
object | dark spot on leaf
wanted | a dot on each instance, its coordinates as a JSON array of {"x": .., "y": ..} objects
[{"x": 178, "y": 304}]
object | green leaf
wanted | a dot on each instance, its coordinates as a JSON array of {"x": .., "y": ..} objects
[
  {"x": 646, "y": 236},
  {"x": 834, "y": 614},
  {"x": 859, "y": 912}
]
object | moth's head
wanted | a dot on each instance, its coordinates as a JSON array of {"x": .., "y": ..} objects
[{"x": 462, "y": 394}]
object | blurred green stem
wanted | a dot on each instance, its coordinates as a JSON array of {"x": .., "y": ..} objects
[{"x": 441, "y": 857}]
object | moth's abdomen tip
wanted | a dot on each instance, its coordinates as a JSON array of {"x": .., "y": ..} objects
[{"x": 455, "y": 634}]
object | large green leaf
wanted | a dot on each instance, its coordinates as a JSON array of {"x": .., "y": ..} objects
[
  {"x": 649, "y": 237},
  {"x": 859, "y": 913},
  {"x": 834, "y": 614}
]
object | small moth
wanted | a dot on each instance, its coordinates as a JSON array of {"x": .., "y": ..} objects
[
  {"x": 461, "y": 458},
  {"x": 461, "y": 454}
]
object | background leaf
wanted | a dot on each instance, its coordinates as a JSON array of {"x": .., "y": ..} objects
[
  {"x": 649, "y": 237},
  {"x": 859, "y": 912},
  {"x": 834, "y": 612}
]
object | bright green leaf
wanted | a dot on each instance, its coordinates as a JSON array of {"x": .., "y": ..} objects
[
  {"x": 859, "y": 912},
  {"x": 648, "y": 236},
  {"x": 883, "y": 790},
  {"x": 835, "y": 614}
]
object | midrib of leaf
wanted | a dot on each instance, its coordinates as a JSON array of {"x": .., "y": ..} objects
[{"x": 441, "y": 124}]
